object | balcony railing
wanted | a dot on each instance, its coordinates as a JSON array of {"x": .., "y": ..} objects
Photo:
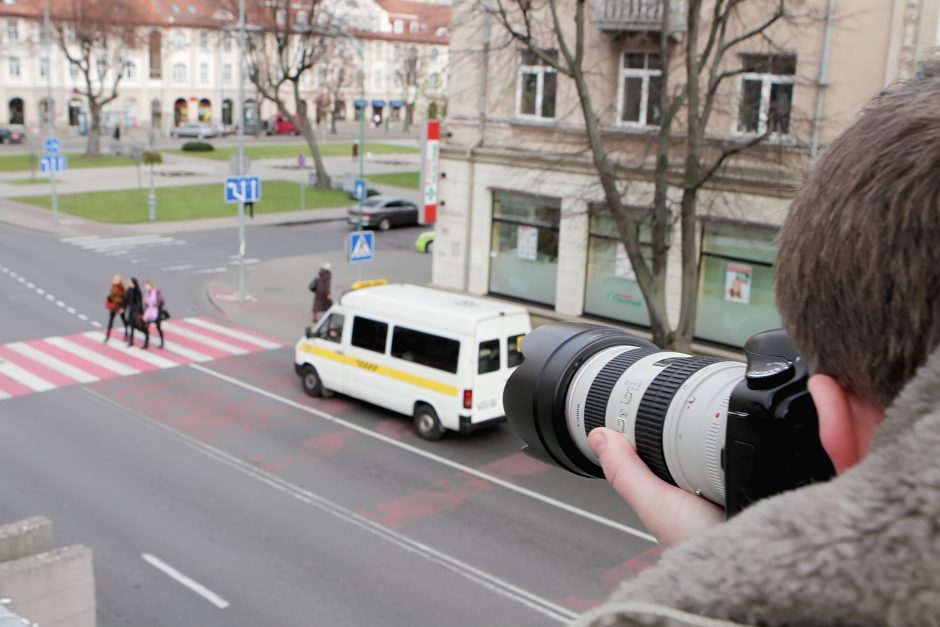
[{"x": 638, "y": 15}]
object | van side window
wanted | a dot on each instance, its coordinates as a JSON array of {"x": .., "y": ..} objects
[
  {"x": 488, "y": 360},
  {"x": 514, "y": 350},
  {"x": 369, "y": 334},
  {"x": 426, "y": 349},
  {"x": 332, "y": 328}
]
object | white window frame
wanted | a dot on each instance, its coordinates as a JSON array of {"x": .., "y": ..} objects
[
  {"x": 180, "y": 77},
  {"x": 13, "y": 30},
  {"x": 130, "y": 71},
  {"x": 398, "y": 27},
  {"x": 179, "y": 39},
  {"x": 43, "y": 67},
  {"x": 540, "y": 71},
  {"x": 204, "y": 72},
  {"x": 73, "y": 70},
  {"x": 645, "y": 74},
  {"x": 767, "y": 80},
  {"x": 13, "y": 67},
  {"x": 204, "y": 39},
  {"x": 227, "y": 72}
]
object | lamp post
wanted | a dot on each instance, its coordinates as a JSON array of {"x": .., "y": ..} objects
[{"x": 241, "y": 149}]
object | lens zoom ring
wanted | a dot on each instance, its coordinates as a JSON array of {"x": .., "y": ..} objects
[
  {"x": 651, "y": 413},
  {"x": 595, "y": 405}
]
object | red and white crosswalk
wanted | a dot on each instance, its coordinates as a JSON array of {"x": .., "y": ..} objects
[{"x": 54, "y": 362}]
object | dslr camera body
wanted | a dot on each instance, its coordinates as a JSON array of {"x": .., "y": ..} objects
[{"x": 729, "y": 432}]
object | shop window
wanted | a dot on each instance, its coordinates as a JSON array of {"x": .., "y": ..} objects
[
  {"x": 736, "y": 282},
  {"x": 611, "y": 289},
  {"x": 524, "y": 247},
  {"x": 536, "y": 85},
  {"x": 766, "y": 94}
]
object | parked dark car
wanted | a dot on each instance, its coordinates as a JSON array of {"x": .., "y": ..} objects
[
  {"x": 384, "y": 212},
  {"x": 9, "y": 136}
]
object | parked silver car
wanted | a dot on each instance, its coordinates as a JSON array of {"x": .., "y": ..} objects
[
  {"x": 197, "y": 130},
  {"x": 384, "y": 212}
]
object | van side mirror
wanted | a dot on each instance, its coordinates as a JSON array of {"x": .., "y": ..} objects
[{"x": 308, "y": 332}]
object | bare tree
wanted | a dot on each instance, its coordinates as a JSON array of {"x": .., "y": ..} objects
[
  {"x": 335, "y": 75},
  {"x": 95, "y": 37},
  {"x": 407, "y": 69},
  {"x": 695, "y": 71},
  {"x": 286, "y": 49}
]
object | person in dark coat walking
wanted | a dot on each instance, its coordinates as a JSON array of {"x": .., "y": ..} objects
[
  {"x": 321, "y": 286},
  {"x": 133, "y": 309},
  {"x": 116, "y": 305}
]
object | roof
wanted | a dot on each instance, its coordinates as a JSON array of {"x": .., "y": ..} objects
[
  {"x": 456, "y": 313},
  {"x": 434, "y": 15}
]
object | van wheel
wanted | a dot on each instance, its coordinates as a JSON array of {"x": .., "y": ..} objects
[
  {"x": 384, "y": 224},
  {"x": 427, "y": 424},
  {"x": 310, "y": 379}
]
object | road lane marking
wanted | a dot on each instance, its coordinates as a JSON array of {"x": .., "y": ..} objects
[
  {"x": 203, "y": 339},
  {"x": 238, "y": 335},
  {"x": 484, "y": 579},
  {"x": 190, "y": 583},
  {"x": 11, "y": 370},
  {"x": 431, "y": 456},
  {"x": 52, "y": 362},
  {"x": 92, "y": 356},
  {"x": 182, "y": 351},
  {"x": 145, "y": 356}
]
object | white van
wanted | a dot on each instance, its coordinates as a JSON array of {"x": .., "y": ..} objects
[{"x": 440, "y": 357}]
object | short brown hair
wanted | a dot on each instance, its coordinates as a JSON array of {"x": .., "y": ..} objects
[{"x": 858, "y": 269}]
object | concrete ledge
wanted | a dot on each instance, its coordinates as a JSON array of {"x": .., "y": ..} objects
[
  {"x": 54, "y": 588},
  {"x": 25, "y": 538}
]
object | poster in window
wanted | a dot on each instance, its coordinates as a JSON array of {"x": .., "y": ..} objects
[
  {"x": 738, "y": 283},
  {"x": 623, "y": 269},
  {"x": 527, "y": 243}
]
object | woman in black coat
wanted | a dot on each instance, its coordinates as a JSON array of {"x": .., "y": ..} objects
[{"x": 134, "y": 308}]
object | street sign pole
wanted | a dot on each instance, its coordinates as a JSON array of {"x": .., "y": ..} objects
[
  {"x": 49, "y": 109},
  {"x": 241, "y": 150}
]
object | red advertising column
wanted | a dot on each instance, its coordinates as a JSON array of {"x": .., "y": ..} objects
[{"x": 429, "y": 171}]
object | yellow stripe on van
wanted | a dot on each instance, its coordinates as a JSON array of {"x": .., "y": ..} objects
[{"x": 385, "y": 371}]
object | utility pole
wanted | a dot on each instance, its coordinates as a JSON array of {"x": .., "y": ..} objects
[
  {"x": 241, "y": 149},
  {"x": 50, "y": 128}
]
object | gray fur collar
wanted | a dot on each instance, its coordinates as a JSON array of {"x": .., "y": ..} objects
[{"x": 863, "y": 548}]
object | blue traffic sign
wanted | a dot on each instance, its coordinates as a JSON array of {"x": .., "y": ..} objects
[
  {"x": 361, "y": 246},
  {"x": 53, "y": 163},
  {"x": 242, "y": 189},
  {"x": 359, "y": 189},
  {"x": 51, "y": 145}
]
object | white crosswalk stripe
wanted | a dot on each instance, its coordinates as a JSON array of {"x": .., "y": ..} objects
[
  {"x": 238, "y": 335},
  {"x": 149, "y": 357},
  {"x": 163, "y": 252},
  {"x": 92, "y": 356},
  {"x": 182, "y": 351},
  {"x": 25, "y": 377},
  {"x": 52, "y": 362},
  {"x": 202, "y": 339}
]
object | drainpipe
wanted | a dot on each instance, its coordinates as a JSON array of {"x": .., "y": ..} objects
[
  {"x": 481, "y": 122},
  {"x": 822, "y": 83}
]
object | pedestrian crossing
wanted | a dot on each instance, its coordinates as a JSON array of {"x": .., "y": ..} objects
[
  {"x": 28, "y": 367},
  {"x": 165, "y": 252}
]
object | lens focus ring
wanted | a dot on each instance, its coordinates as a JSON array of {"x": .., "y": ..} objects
[
  {"x": 651, "y": 414},
  {"x": 595, "y": 405}
]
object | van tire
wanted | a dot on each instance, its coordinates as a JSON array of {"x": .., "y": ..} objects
[
  {"x": 311, "y": 381},
  {"x": 427, "y": 424}
]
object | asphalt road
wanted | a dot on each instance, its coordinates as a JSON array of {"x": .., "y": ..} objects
[{"x": 275, "y": 508}]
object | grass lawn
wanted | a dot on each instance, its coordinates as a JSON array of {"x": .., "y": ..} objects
[
  {"x": 287, "y": 151},
  {"x": 39, "y": 180},
  {"x": 410, "y": 180},
  {"x": 15, "y": 163},
  {"x": 189, "y": 202}
]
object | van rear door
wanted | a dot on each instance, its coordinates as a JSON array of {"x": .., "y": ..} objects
[{"x": 489, "y": 379}]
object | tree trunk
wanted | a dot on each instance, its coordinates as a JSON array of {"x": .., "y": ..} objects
[
  {"x": 93, "y": 146},
  {"x": 333, "y": 122},
  {"x": 323, "y": 179}
]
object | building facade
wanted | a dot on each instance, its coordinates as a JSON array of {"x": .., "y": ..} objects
[
  {"x": 185, "y": 68},
  {"x": 523, "y": 215}
]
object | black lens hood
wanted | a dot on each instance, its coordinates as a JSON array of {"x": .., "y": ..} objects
[{"x": 535, "y": 395}]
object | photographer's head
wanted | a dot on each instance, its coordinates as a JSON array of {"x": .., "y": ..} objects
[{"x": 858, "y": 272}]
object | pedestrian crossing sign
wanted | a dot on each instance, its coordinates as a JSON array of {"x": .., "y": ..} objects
[{"x": 361, "y": 246}]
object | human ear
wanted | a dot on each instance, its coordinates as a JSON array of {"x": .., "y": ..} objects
[{"x": 837, "y": 427}]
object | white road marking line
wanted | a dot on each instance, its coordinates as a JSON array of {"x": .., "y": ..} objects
[
  {"x": 21, "y": 280},
  {"x": 210, "y": 271},
  {"x": 80, "y": 238},
  {"x": 92, "y": 356},
  {"x": 13, "y": 274},
  {"x": 424, "y": 551},
  {"x": 83, "y": 317},
  {"x": 122, "y": 241},
  {"x": 25, "y": 377},
  {"x": 179, "y": 577},
  {"x": 95, "y": 323},
  {"x": 31, "y": 285},
  {"x": 143, "y": 355},
  {"x": 202, "y": 339},
  {"x": 238, "y": 335},
  {"x": 52, "y": 362},
  {"x": 188, "y": 353},
  {"x": 40, "y": 291},
  {"x": 185, "y": 266},
  {"x": 50, "y": 297},
  {"x": 59, "y": 303},
  {"x": 431, "y": 456},
  {"x": 3, "y": 395},
  {"x": 71, "y": 310}
]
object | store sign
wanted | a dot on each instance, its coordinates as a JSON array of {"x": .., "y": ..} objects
[
  {"x": 738, "y": 283},
  {"x": 527, "y": 243},
  {"x": 623, "y": 269},
  {"x": 429, "y": 171}
]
